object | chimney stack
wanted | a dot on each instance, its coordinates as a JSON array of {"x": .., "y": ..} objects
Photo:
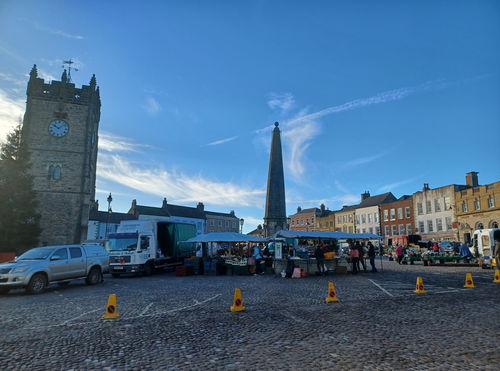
[
  {"x": 365, "y": 195},
  {"x": 471, "y": 179},
  {"x": 426, "y": 187},
  {"x": 299, "y": 209}
]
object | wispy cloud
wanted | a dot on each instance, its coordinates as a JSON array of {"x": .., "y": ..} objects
[
  {"x": 361, "y": 161},
  {"x": 297, "y": 140},
  {"x": 12, "y": 79},
  {"x": 11, "y": 110},
  {"x": 222, "y": 141},
  {"x": 395, "y": 185},
  {"x": 113, "y": 143},
  {"x": 282, "y": 101},
  {"x": 383, "y": 97},
  {"x": 152, "y": 106},
  {"x": 177, "y": 186},
  {"x": 53, "y": 31}
]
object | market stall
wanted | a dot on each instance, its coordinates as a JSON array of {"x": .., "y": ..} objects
[
  {"x": 226, "y": 252},
  {"x": 299, "y": 251}
]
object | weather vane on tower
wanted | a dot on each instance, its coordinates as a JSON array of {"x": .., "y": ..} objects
[{"x": 69, "y": 63}]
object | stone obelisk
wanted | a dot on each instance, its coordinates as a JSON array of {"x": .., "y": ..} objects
[{"x": 275, "y": 218}]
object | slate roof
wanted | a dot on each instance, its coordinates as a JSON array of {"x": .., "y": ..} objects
[
  {"x": 171, "y": 210},
  {"x": 112, "y": 218},
  {"x": 377, "y": 200},
  {"x": 228, "y": 215},
  {"x": 310, "y": 210}
]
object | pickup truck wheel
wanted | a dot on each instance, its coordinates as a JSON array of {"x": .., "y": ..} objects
[
  {"x": 37, "y": 284},
  {"x": 94, "y": 276},
  {"x": 148, "y": 269}
]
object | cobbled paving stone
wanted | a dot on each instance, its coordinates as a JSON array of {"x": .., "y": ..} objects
[{"x": 184, "y": 323}]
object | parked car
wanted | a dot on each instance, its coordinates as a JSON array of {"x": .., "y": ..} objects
[{"x": 38, "y": 267}]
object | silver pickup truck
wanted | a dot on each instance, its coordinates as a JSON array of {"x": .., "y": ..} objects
[{"x": 38, "y": 267}]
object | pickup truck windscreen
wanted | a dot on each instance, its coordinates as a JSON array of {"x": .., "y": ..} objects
[
  {"x": 122, "y": 242},
  {"x": 36, "y": 254}
]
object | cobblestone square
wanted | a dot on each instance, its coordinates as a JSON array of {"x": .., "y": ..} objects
[{"x": 181, "y": 323}]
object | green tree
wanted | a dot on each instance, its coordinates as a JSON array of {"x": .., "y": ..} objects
[{"x": 19, "y": 222}]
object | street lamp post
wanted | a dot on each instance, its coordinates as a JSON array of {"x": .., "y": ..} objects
[
  {"x": 241, "y": 225},
  {"x": 109, "y": 199}
]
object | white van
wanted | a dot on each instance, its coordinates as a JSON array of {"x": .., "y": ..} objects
[{"x": 483, "y": 245}]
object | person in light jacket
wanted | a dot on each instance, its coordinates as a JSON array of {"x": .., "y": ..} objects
[{"x": 258, "y": 257}]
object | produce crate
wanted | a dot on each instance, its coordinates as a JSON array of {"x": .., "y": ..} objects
[{"x": 183, "y": 270}]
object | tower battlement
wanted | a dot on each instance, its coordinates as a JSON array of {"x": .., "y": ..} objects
[{"x": 62, "y": 90}]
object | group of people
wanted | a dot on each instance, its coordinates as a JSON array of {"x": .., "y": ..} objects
[{"x": 357, "y": 254}]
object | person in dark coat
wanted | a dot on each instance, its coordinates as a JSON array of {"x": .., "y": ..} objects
[
  {"x": 361, "y": 257},
  {"x": 320, "y": 259},
  {"x": 371, "y": 255}
]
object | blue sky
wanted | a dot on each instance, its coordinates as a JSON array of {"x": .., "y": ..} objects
[{"x": 378, "y": 96}]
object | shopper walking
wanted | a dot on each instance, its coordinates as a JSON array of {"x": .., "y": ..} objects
[
  {"x": 257, "y": 254},
  {"x": 371, "y": 255},
  {"x": 354, "y": 255},
  {"x": 399, "y": 253},
  {"x": 361, "y": 258}
]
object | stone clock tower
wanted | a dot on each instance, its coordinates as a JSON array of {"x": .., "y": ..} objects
[{"x": 60, "y": 130}]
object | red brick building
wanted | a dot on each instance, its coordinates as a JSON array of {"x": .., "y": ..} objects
[
  {"x": 397, "y": 218},
  {"x": 304, "y": 220}
]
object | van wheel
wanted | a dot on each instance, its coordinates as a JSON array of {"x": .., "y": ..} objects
[
  {"x": 94, "y": 276},
  {"x": 37, "y": 284},
  {"x": 148, "y": 269}
]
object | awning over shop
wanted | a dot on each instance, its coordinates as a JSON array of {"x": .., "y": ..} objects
[
  {"x": 325, "y": 235},
  {"x": 225, "y": 237}
]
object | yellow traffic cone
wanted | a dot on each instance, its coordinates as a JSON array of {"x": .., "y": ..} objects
[
  {"x": 419, "y": 288},
  {"x": 111, "y": 308},
  {"x": 469, "y": 283},
  {"x": 332, "y": 295},
  {"x": 497, "y": 276},
  {"x": 237, "y": 302}
]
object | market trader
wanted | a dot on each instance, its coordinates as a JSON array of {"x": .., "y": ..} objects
[
  {"x": 258, "y": 257},
  {"x": 320, "y": 259}
]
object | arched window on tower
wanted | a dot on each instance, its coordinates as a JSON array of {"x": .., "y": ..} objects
[
  {"x": 54, "y": 172},
  {"x": 57, "y": 172}
]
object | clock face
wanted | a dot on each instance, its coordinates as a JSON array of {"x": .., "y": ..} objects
[{"x": 58, "y": 128}]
